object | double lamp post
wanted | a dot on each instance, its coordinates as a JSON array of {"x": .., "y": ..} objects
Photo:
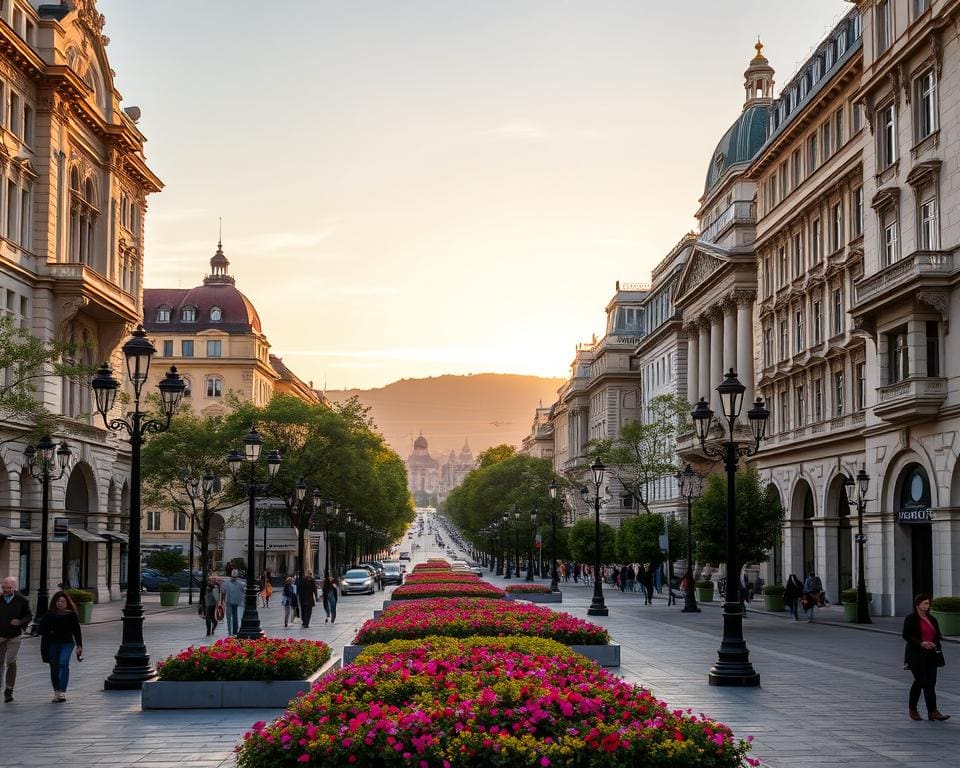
[{"x": 857, "y": 496}]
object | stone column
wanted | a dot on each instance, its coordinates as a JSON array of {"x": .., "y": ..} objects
[
  {"x": 729, "y": 309},
  {"x": 716, "y": 359},
  {"x": 745, "y": 354},
  {"x": 703, "y": 390},
  {"x": 693, "y": 363}
]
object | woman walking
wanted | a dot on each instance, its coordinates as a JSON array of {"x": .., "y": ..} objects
[
  {"x": 329, "y": 594},
  {"x": 791, "y": 595},
  {"x": 211, "y": 600},
  {"x": 923, "y": 655},
  {"x": 59, "y": 635},
  {"x": 266, "y": 589},
  {"x": 289, "y": 601}
]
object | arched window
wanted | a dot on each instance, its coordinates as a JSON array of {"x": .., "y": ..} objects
[
  {"x": 214, "y": 386},
  {"x": 188, "y": 315},
  {"x": 188, "y": 392},
  {"x": 163, "y": 314},
  {"x": 216, "y": 315},
  {"x": 84, "y": 215}
]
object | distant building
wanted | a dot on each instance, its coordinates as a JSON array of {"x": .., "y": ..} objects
[
  {"x": 539, "y": 443},
  {"x": 423, "y": 471},
  {"x": 456, "y": 468}
]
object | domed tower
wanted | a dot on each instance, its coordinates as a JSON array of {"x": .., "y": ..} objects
[
  {"x": 219, "y": 269},
  {"x": 758, "y": 80}
]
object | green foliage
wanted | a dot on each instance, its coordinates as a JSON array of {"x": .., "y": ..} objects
[
  {"x": 168, "y": 587},
  {"x": 774, "y": 589},
  {"x": 582, "y": 541},
  {"x": 495, "y": 455},
  {"x": 850, "y": 595},
  {"x": 705, "y": 584},
  {"x": 946, "y": 604},
  {"x": 638, "y": 539},
  {"x": 80, "y": 596},
  {"x": 167, "y": 561},
  {"x": 238, "y": 564},
  {"x": 645, "y": 450},
  {"x": 759, "y": 519}
]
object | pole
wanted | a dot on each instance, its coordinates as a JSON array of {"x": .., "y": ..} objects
[
  {"x": 500, "y": 554},
  {"x": 530, "y": 559},
  {"x": 263, "y": 559},
  {"x": 597, "y": 606},
  {"x": 863, "y": 606},
  {"x": 554, "y": 580},
  {"x": 190, "y": 565},
  {"x": 43, "y": 596},
  {"x": 690, "y": 600},
  {"x": 250, "y": 628}
]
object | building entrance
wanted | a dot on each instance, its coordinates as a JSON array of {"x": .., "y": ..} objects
[{"x": 915, "y": 516}]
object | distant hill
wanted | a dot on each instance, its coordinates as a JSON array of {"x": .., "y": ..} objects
[{"x": 485, "y": 409}]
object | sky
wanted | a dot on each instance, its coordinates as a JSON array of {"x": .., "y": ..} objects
[{"x": 417, "y": 187}]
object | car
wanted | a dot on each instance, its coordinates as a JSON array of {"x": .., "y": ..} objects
[
  {"x": 392, "y": 572},
  {"x": 151, "y": 580},
  {"x": 358, "y": 581},
  {"x": 404, "y": 556}
]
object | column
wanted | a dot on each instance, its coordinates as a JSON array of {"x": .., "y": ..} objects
[
  {"x": 693, "y": 363},
  {"x": 745, "y": 346},
  {"x": 729, "y": 336},
  {"x": 704, "y": 368},
  {"x": 716, "y": 359}
]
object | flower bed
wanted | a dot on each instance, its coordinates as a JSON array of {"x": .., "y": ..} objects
[
  {"x": 528, "y": 589},
  {"x": 419, "y": 591},
  {"x": 432, "y": 565},
  {"x": 484, "y": 701},
  {"x": 441, "y": 577},
  {"x": 465, "y": 617},
  {"x": 234, "y": 659}
]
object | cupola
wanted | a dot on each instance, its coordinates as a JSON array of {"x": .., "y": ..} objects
[
  {"x": 758, "y": 79},
  {"x": 219, "y": 269}
]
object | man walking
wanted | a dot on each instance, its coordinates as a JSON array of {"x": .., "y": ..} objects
[
  {"x": 15, "y": 616},
  {"x": 307, "y": 593},
  {"x": 234, "y": 593}
]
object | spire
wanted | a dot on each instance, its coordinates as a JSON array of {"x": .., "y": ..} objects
[
  {"x": 758, "y": 79},
  {"x": 219, "y": 264}
]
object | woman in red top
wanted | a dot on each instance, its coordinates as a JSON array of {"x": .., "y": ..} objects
[{"x": 922, "y": 656}]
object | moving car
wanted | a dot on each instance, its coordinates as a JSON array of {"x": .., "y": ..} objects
[
  {"x": 404, "y": 556},
  {"x": 392, "y": 572},
  {"x": 358, "y": 581}
]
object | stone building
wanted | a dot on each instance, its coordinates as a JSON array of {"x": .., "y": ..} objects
[
  {"x": 455, "y": 470},
  {"x": 74, "y": 184},
  {"x": 423, "y": 473},
  {"x": 539, "y": 442}
]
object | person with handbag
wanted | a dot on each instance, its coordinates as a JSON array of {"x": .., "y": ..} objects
[
  {"x": 812, "y": 591},
  {"x": 212, "y": 604},
  {"x": 59, "y": 632},
  {"x": 923, "y": 655},
  {"x": 289, "y": 601}
]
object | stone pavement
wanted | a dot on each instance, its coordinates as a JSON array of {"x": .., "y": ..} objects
[{"x": 831, "y": 694}]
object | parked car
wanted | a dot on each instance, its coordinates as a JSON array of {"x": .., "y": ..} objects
[
  {"x": 358, "y": 581},
  {"x": 392, "y": 572},
  {"x": 404, "y": 556},
  {"x": 150, "y": 580}
]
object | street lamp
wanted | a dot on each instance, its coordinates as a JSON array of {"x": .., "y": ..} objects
[
  {"x": 250, "y": 628},
  {"x": 40, "y": 462},
  {"x": 597, "y": 606},
  {"x": 690, "y": 483},
  {"x": 857, "y": 495},
  {"x": 501, "y": 528},
  {"x": 533, "y": 529},
  {"x": 133, "y": 664},
  {"x": 516, "y": 541},
  {"x": 201, "y": 488},
  {"x": 554, "y": 580},
  {"x": 733, "y": 665}
]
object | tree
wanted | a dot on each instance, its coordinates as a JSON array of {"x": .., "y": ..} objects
[
  {"x": 644, "y": 450},
  {"x": 759, "y": 519},
  {"x": 495, "y": 455},
  {"x": 582, "y": 542},
  {"x": 638, "y": 539},
  {"x": 167, "y": 562}
]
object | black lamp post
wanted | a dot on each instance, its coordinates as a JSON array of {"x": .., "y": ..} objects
[
  {"x": 327, "y": 506},
  {"x": 201, "y": 488},
  {"x": 554, "y": 579},
  {"x": 299, "y": 493},
  {"x": 690, "y": 483},
  {"x": 533, "y": 533},
  {"x": 133, "y": 665},
  {"x": 516, "y": 541},
  {"x": 597, "y": 605},
  {"x": 250, "y": 628},
  {"x": 506, "y": 544},
  {"x": 733, "y": 665},
  {"x": 501, "y": 533},
  {"x": 857, "y": 494},
  {"x": 40, "y": 462}
]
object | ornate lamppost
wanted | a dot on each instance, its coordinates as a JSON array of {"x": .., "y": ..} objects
[
  {"x": 501, "y": 529},
  {"x": 597, "y": 605},
  {"x": 857, "y": 494},
  {"x": 690, "y": 483},
  {"x": 506, "y": 545},
  {"x": 201, "y": 488},
  {"x": 533, "y": 531},
  {"x": 554, "y": 579},
  {"x": 133, "y": 665},
  {"x": 250, "y": 628},
  {"x": 40, "y": 463},
  {"x": 516, "y": 541},
  {"x": 733, "y": 665}
]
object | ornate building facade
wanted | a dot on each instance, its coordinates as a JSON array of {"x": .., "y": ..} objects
[
  {"x": 454, "y": 471},
  {"x": 423, "y": 472},
  {"x": 74, "y": 184}
]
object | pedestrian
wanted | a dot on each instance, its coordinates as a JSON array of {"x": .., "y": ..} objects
[
  {"x": 812, "y": 591},
  {"x": 212, "y": 600},
  {"x": 329, "y": 595},
  {"x": 791, "y": 595},
  {"x": 234, "y": 591},
  {"x": 289, "y": 601},
  {"x": 576, "y": 573},
  {"x": 59, "y": 636},
  {"x": 15, "y": 616},
  {"x": 646, "y": 576},
  {"x": 746, "y": 594},
  {"x": 307, "y": 594},
  {"x": 923, "y": 655},
  {"x": 266, "y": 589},
  {"x": 631, "y": 577},
  {"x": 615, "y": 577}
]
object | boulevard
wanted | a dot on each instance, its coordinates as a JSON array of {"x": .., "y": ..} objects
[{"x": 830, "y": 695}]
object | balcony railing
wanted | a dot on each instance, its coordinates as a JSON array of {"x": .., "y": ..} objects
[
  {"x": 906, "y": 399},
  {"x": 917, "y": 264},
  {"x": 738, "y": 212}
]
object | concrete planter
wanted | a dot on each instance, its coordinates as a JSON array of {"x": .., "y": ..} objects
[
  {"x": 704, "y": 595},
  {"x": 537, "y": 597},
  {"x": 85, "y": 612},
  {"x": 227, "y": 694},
  {"x": 604, "y": 655},
  {"x": 169, "y": 598},
  {"x": 774, "y": 603},
  {"x": 949, "y": 622}
]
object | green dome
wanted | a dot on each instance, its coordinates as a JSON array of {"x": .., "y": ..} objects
[{"x": 740, "y": 143}]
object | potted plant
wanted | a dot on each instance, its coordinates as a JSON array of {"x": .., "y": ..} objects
[
  {"x": 83, "y": 599},
  {"x": 704, "y": 591},
  {"x": 849, "y": 599},
  {"x": 169, "y": 594},
  {"x": 773, "y": 597},
  {"x": 946, "y": 610}
]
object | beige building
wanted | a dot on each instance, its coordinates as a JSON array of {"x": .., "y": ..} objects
[
  {"x": 455, "y": 470},
  {"x": 73, "y": 193}
]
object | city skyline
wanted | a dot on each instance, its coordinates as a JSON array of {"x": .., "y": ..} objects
[{"x": 462, "y": 164}]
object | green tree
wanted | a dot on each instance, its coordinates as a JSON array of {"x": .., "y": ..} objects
[
  {"x": 638, "y": 539},
  {"x": 495, "y": 455},
  {"x": 581, "y": 540},
  {"x": 645, "y": 450},
  {"x": 167, "y": 562},
  {"x": 759, "y": 519}
]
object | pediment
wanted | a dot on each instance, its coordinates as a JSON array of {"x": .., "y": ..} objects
[{"x": 704, "y": 262}]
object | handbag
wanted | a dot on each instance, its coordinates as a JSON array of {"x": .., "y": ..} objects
[
  {"x": 219, "y": 612},
  {"x": 941, "y": 661}
]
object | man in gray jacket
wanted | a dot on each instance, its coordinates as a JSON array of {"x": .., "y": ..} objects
[
  {"x": 15, "y": 617},
  {"x": 234, "y": 594}
]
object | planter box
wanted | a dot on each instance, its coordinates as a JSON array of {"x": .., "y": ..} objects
[
  {"x": 604, "y": 655},
  {"x": 537, "y": 597},
  {"x": 169, "y": 598},
  {"x": 949, "y": 622},
  {"x": 774, "y": 603},
  {"x": 704, "y": 595},
  {"x": 224, "y": 694},
  {"x": 85, "y": 612}
]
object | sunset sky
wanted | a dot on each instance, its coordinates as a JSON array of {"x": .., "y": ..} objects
[{"x": 417, "y": 187}]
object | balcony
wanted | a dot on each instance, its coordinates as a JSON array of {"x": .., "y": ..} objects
[
  {"x": 738, "y": 212},
  {"x": 911, "y": 398},
  {"x": 925, "y": 266},
  {"x": 101, "y": 298}
]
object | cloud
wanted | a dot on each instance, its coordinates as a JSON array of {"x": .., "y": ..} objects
[{"x": 515, "y": 130}]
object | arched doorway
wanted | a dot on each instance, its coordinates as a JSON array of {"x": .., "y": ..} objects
[
  {"x": 844, "y": 545},
  {"x": 914, "y": 499},
  {"x": 778, "y": 546},
  {"x": 76, "y": 567},
  {"x": 802, "y": 510}
]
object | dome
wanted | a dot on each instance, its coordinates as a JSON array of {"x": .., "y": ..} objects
[
  {"x": 739, "y": 144},
  {"x": 420, "y": 443}
]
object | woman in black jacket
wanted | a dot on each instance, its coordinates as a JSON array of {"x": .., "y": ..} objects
[
  {"x": 922, "y": 656},
  {"x": 59, "y": 635}
]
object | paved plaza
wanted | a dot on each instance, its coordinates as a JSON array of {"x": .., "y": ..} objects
[{"x": 831, "y": 694}]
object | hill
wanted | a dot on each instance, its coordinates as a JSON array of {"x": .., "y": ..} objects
[{"x": 485, "y": 409}]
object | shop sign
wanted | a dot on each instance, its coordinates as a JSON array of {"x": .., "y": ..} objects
[{"x": 915, "y": 516}]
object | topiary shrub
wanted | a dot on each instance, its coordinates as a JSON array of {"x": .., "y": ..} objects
[
  {"x": 80, "y": 596},
  {"x": 946, "y": 604},
  {"x": 850, "y": 595},
  {"x": 167, "y": 561},
  {"x": 774, "y": 589},
  {"x": 704, "y": 584},
  {"x": 168, "y": 587}
]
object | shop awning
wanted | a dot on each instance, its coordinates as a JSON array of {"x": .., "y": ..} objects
[
  {"x": 18, "y": 534},
  {"x": 86, "y": 536},
  {"x": 117, "y": 536}
]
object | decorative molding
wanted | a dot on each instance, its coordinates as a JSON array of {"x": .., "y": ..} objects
[
  {"x": 885, "y": 197},
  {"x": 65, "y": 312},
  {"x": 928, "y": 170},
  {"x": 940, "y": 302},
  {"x": 904, "y": 83},
  {"x": 743, "y": 298},
  {"x": 936, "y": 52},
  {"x": 92, "y": 20},
  {"x": 868, "y": 111}
]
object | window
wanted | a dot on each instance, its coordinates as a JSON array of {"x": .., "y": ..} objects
[
  {"x": 933, "y": 348},
  {"x": 797, "y": 255},
  {"x": 826, "y": 145},
  {"x": 929, "y": 235},
  {"x": 188, "y": 315},
  {"x": 838, "y": 393},
  {"x": 784, "y": 412},
  {"x": 925, "y": 105},
  {"x": 886, "y": 137},
  {"x": 216, "y": 315},
  {"x": 214, "y": 386},
  {"x": 783, "y": 339},
  {"x": 15, "y": 114},
  {"x": 13, "y": 201},
  {"x": 818, "y": 399},
  {"x": 189, "y": 387},
  {"x": 811, "y": 153},
  {"x": 884, "y": 25},
  {"x": 186, "y": 348},
  {"x": 214, "y": 348},
  {"x": 890, "y": 249},
  {"x": 798, "y": 331},
  {"x": 861, "y": 372},
  {"x": 836, "y": 237},
  {"x": 153, "y": 520},
  {"x": 768, "y": 346},
  {"x": 837, "y": 312},
  {"x": 180, "y": 521},
  {"x": 898, "y": 355},
  {"x": 815, "y": 238},
  {"x": 817, "y": 321},
  {"x": 163, "y": 315},
  {"x": 919, "y": 7},
  {"x": 800, "y": 405},
  {"x": 782, "y": 263},
  {"x": 856, "y": 117},
  {"x": 797, "y": 168},
  {"x": 858, "y": 211},
  {"x": 838, "y": 128},
  {"x": 27, "y": 124},
  {"x": 168, "y": 347},
  {"x": 784, "y": 180},
  {"x": 25, "y": 209}
]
